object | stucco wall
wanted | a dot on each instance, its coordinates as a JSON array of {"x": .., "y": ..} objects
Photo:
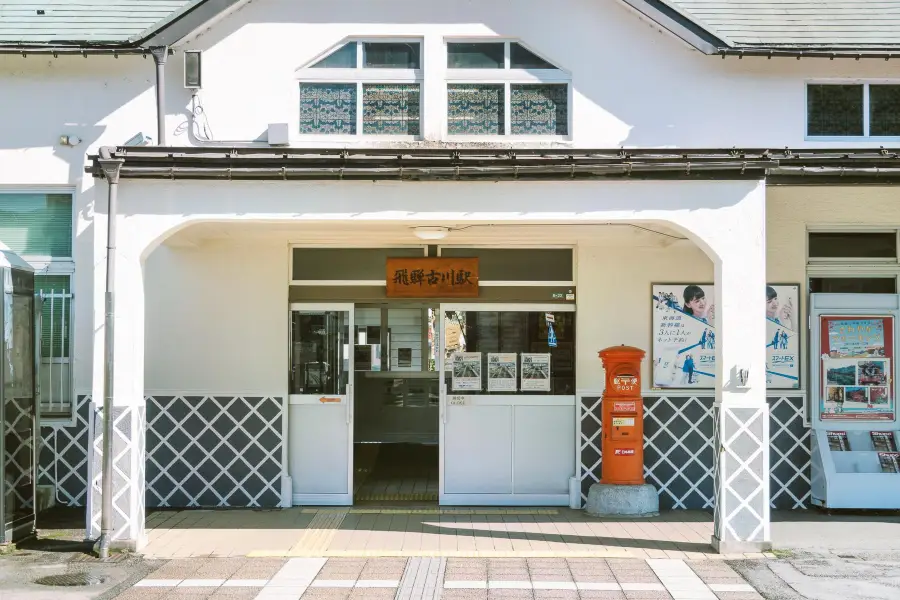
[
  {"x": 216, "y": 320},
  {"x": 649, "y": 90}
]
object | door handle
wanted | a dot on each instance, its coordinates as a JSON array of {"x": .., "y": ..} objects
[
  {"x": 349, "y": 411},
  {"x": 442, "y": 403}
]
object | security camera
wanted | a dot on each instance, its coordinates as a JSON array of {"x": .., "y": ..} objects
[{"x": 139, "y": 139}]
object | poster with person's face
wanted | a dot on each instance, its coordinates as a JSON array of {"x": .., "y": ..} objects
[{"x": 684, "y": 336}]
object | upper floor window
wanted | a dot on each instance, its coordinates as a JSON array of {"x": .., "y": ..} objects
[
  {"x": 852, "y": 110},
  {"x": 503, "y": 88},
  {"x": 372, "y": 87}
]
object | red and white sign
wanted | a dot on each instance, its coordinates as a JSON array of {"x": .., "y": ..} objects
[
  {"x": 624, "y": 407},
  {"x": 623, "y": 452}
]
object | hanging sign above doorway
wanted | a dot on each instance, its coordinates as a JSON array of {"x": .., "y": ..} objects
[{"x": 432, "y": 277}]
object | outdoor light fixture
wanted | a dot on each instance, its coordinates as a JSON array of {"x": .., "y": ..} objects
[
  {"x": 192, "y": 71},
  {"x": 431, "y": 233}
]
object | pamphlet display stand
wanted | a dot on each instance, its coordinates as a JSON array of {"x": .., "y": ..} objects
[{"x": 855, "y": 437}]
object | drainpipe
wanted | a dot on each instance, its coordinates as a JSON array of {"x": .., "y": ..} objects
[
  {"x": 160, "y": 53},
  {"x": 111, "y": 168}
]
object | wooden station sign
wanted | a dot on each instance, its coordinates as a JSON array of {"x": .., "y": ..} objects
[{"x": 432, "y": 277}]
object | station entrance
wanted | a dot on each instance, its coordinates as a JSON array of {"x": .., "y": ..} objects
[{"x": 427, "y": 401}]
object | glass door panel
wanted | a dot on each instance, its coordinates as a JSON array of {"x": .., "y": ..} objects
[{"x": 321, "y": 404}]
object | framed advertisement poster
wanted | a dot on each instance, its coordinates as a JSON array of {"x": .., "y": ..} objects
[
  {"x": 857, "y": 357},
  {"x": 684, "y": 337}
]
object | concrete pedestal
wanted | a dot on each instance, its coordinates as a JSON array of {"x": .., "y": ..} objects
[{"x": 607, "y": 500}]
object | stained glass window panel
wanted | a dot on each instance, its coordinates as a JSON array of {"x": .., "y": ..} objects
[
  {"x": 342, "y": 58},
  {"x": 539, "y": 109},
  {"x": 521, "y": 57},
  {"x": 392, "y": 55},
  {"x": 484, "y": 55},
  {"x": 328, "y": 108},
  {"x": 475, "y": 109},
  {"x": 884, "y": 110},
  {"x": 835, "y": 110},
  {"x": 391, "y": 109}
]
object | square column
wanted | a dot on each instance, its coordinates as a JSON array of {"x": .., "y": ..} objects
[
  {"x": 741, "y": 411},
  {"x": 128, "y": 410}
]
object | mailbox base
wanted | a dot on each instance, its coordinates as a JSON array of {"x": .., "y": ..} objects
[{"x": 610, "y": 500}]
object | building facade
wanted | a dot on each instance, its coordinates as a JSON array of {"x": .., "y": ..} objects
[{"x": 639, "y": 168}]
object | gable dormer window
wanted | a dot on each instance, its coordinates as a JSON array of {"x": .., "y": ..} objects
[
  {"x": 371, "y": 88},
  {"x": 504, "y": 89}
]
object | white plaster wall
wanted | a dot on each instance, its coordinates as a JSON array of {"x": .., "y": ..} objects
[
  {"x": 217, "y": 319},
  {"x": 633, "y": 86},
  {"x": 196, "y": 339},
  {"x": 613, "y": 301}
]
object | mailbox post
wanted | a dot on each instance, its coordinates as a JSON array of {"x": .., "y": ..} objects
[{"x": 622, "y": 490}]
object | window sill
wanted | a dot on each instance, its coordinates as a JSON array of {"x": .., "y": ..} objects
[{"x": 855, "y": 139}]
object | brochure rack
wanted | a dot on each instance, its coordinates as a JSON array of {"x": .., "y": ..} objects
[{"x": 853, "y": 394}]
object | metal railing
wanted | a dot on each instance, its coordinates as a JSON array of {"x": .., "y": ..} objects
[{"x": 55, "y": 377}]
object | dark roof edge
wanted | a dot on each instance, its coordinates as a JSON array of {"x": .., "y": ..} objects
[
  {"x": 418, "y": 164},
  {"x": 165, "y": 33},
  {"x": 706, "y": 41},
  {"x": 678, "y": 25}
]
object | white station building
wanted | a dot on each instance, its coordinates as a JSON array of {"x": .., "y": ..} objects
[{"x": 624, "y": 172}]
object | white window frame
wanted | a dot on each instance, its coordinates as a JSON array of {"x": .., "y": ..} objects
[
  {"x": 58, "y": 266},
  {"x": 361, "y": 76},
  {"x": 865, "y": 83},
  {"x": 506, "y": 77}
]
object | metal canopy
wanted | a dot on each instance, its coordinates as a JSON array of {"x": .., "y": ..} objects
[{"x": 425, "y": 164}]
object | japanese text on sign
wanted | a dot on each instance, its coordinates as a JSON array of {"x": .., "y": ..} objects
[{"x": 432, "y": 277}]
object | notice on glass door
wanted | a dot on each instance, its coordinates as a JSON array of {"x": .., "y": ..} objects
[
  {"x": 466, "y": 372},
  {"x": 535, "y": 372},
  {"x": 502, "y": 376}
]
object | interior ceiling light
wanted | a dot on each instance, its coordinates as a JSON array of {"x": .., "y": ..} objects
[{"x": 431, "y": 233}]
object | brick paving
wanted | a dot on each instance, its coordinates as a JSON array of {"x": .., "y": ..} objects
[
  {"x": 429, "y": 578},
  {"x": 411, "y": 532}
]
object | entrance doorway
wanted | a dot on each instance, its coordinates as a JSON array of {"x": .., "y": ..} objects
[
  {"x": 466, "y": 404},
  {"x": 396, "y": 403}
]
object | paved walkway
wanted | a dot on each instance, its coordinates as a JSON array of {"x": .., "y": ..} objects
[
  {"x": 430, "y": 578},
  {"x": 406, "y": 532}
]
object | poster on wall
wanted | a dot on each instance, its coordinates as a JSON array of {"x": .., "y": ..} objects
[
  {"x": 856, "y": 368},
  {"x": 466, "y": 372},
  {"x": 502, "y": 372},
  {"x": 684, "y": 336},
  {"x": 535, "y": 372}
]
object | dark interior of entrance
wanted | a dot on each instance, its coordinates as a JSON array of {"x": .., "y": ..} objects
[{"x": 396, "y": 402}]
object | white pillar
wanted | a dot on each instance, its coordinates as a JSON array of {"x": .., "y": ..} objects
[
  {"x": 736, "y": 235},
  {"x": 129, "y": 416}
]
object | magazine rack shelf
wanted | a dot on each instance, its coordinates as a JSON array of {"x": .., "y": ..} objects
[
  {"x": 853, "y": 394},
  {"x": 852, "y": 478}
]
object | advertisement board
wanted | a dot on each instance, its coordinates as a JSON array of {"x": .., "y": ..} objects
[
  {"x": 856, "y": 368},
  {"x": 684, "y": 336}
]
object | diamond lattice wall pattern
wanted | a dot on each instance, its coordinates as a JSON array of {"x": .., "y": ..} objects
[
  {"x": 679, "y": 450},
  {"x": 214, "y": 451}
]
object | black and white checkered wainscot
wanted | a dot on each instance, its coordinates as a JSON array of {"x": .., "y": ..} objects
[
  {"x": 214, "y": 451},
  {"x": 741, "y": 476},
  {"x": 18, "y": 451},
  {"x": 679, "y": 450},
  {"x": 63, "y": 461},
  {"x": 128, "y": 424}
]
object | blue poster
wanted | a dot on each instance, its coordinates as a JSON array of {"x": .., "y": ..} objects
[{"x": 684, "y": 336}]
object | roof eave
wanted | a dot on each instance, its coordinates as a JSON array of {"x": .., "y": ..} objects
[
  {"x": 164, "y": 33},
  {"x": 700, "y": 36}
]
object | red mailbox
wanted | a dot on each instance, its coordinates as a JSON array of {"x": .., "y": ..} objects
[{"x": 623, "y": 417}]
